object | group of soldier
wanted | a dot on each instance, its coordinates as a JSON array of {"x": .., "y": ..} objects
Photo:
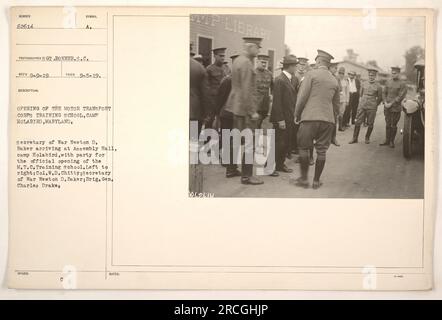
[{"x": 306, "y": 105}]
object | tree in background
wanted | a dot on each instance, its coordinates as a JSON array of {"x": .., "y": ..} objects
[{"x": 411, "y": 56}]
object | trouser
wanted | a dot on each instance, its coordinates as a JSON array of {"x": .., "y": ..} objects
[
  {"x": 295, "y": 136},
  {"x": 368, "y": 115},
  {"x": 391, "y": 120},
  {"x": 290, "y": 128},
  {"x": 351, "y": 109},
  {"x": 333, "y": 138},
  {"x": 260, "y": 121},
  {"x": 354, "y": 105},
  {"x": 317, "y": 134},
  {"x": 340, "y": 117},
  {"x": 241, "y": 123},
  {"x": 318, "y": 131},
  {"x": 282, "y": 144},
  {"x": 227, "y": 123}
]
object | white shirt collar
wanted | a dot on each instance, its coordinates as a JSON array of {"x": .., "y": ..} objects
[{"x": 288, "y": 75}]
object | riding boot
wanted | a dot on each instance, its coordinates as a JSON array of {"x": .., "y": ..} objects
[
  {"x": 392, "y": 136},
  {"x": 367, "y": 135},
  {"x": 319, "y": 166},
  {"x": 355, "y": 134},
  {"x": 304, "y": 164},
  {"x": 340, "y": 128},
  {"x": 387, "y": 137}
]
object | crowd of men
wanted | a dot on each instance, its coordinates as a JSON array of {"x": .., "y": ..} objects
[{"x": 306, "y": 105}]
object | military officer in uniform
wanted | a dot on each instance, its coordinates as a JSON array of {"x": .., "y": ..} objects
[
  {"x": 264, "y": 83},
  {"x": 370, "y": 98},
  {"x": 198, "y": 58},
  {"x": 226, "y": 68},
  {"x": 301, "y": 68},
  {"x": 317, "y": 105},
  {"x": 200, "y": 102},
  {"x": 242, "y": 103},
  {"x": 395, "y": 91},
  {"x": 226, "y": 119},
  {"x": 334, "y": 69},
  {"x": 215, "y": 73},
  {"x": 192, "y": 53}
]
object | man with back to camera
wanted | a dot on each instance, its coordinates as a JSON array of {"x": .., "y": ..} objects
[{"x": 316, "y": 106}]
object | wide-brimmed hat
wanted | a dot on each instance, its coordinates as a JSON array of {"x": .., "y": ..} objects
[{"x": 290, "y": 59}]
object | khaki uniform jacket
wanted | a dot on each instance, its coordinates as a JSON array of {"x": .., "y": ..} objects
[
  {"x": 371, "y": 96},
  {"x": 215, "y": 75},
  {"x": 395, "y": 91},
  {"x": 264, "y": 84},
  {"x": 318, "y": 97},
  {"x": 242, "y": 100}
]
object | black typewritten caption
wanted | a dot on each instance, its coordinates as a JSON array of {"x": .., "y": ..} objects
[
  {"x": 227, "y": 310},
  {"x": 54, "y": 163},
  {"x": 201, "y": 195}
]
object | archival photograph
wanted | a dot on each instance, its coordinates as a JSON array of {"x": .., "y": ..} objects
[{"x": 307, "y": 106}]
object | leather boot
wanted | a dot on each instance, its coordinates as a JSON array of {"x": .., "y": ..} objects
[
  {"x": 392, "y": 136},
  {"x": 304, "y": 166},
  {"x": 319, "y": 167},
  {"x": 387, "y": 137},
  {"x": 355, "y": 134},
  {"x": 340, "y": 128},
  {"x": 367, "y": 135}
]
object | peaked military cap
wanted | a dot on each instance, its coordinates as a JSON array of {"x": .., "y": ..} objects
[
  {"x": 372, "y": 70},
  {"x": 302, "y": 60},
  {"x": 325, "y": 55},
  {"x": 219, "y": 50},
  {"x": 234, "y": 55},
  {"x": 253, "y": 40},
  {"x": 263, "y": 57},
  {"x": 398, "y": 69}
]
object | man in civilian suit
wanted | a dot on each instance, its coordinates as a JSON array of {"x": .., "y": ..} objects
[{"x": 283, "y": 108}]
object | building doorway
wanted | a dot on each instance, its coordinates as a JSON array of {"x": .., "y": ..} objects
[{"x": 205, "y": 49}]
